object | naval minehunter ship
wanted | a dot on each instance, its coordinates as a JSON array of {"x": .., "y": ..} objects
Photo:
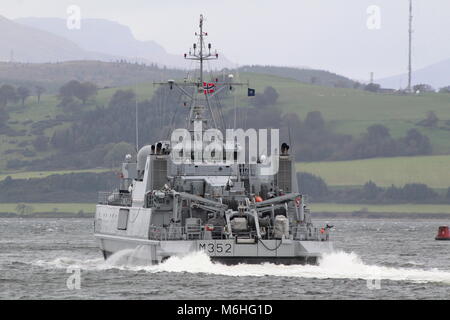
[{"x": 231, "y": 211}]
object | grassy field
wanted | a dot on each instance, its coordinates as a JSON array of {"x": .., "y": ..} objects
[
  {"x": 397, "y": 208},
  {"x": 315, "y": 207},
  {"x": 43, "y": 174},
  {"x": 51, "y": 207},
  {"x": 431, "y": 170}
]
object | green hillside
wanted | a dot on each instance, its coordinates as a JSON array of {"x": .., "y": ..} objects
[
  {"x": 347, "y": 111},
  {"x": 310, "y": 76},
  {"x": 431, "y": 170},
  {"x": 25, "y": 122},
  {"x": 352, "y": 111}
]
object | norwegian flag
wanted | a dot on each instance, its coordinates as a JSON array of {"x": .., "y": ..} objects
[{"x": 208, "y": 87}]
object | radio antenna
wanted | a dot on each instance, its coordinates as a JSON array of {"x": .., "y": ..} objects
[
  {"x": 137, "y": 127},
  {"x": 410, "y": 31}
]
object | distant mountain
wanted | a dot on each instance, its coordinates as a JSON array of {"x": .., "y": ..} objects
[
  {"x": 305, "y": 75},
  {"x": 26, "y": 44},
  {"x": 111, "y": 38},
  {"x": 437, "y": 75}
]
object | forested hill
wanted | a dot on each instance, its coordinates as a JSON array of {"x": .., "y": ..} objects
[
  {"x": 122, "y": 73},
  {"x": 82, "y": 125},
  {"x": 104, "y": 74}
]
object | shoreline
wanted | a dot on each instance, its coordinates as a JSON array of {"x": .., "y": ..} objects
[
  {"x": 320, "y": 215},
  {"x": 381, "y": 215},
  {"x": 47, "y": 215}
]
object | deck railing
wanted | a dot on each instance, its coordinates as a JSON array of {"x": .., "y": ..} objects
[
  {"x": 114, "y": 198},
  {"x": 210, "y": 232},
  {"x": 186, "y": 233}
]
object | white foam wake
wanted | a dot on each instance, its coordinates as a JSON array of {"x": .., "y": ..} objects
[{"x": 337, "y": 265}]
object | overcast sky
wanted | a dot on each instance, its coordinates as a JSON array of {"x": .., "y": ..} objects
[{"x": 326, "y": 34}]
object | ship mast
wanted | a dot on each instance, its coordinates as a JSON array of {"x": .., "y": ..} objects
[
  {"x": 197, "y": 53},
  {"x": 201, "y": 58},
  {"x": 203, "y": 91}
]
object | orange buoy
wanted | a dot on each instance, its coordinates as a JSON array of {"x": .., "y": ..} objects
[
  {"x": 258, "y": 199},
  {"x": 443, "y": 233}
]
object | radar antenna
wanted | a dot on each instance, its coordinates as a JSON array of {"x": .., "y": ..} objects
[
  {"x": 201, "y": 91},
  {"x": 200, "y": 55}
]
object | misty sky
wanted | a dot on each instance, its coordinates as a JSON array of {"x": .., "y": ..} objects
[{"x": 326, "y": 34}]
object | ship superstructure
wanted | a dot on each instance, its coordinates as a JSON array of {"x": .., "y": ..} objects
[{"x": 173, "y": 202}]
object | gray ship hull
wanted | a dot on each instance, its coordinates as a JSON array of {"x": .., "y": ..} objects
[
  {"x": 148, "y": 248},
  {"x": 283, "y": 251}
]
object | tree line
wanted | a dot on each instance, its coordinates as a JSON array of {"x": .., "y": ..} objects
[
  {"x": 74, "y": 94},
  {"x": 12, "y": 95},
  {"x": 73, "y": 187},
  {"x": 369, "y": 193},
  {"x": 83, "y": 187},
  {"x": 417, "y": 89}
]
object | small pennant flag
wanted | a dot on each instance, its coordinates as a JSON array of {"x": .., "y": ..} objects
[
  {"x": 251, "y": 92},
  {"x": 208, "y": 87}
]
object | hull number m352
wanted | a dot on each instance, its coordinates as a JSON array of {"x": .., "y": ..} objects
[{"x": 215, "y": 247}]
